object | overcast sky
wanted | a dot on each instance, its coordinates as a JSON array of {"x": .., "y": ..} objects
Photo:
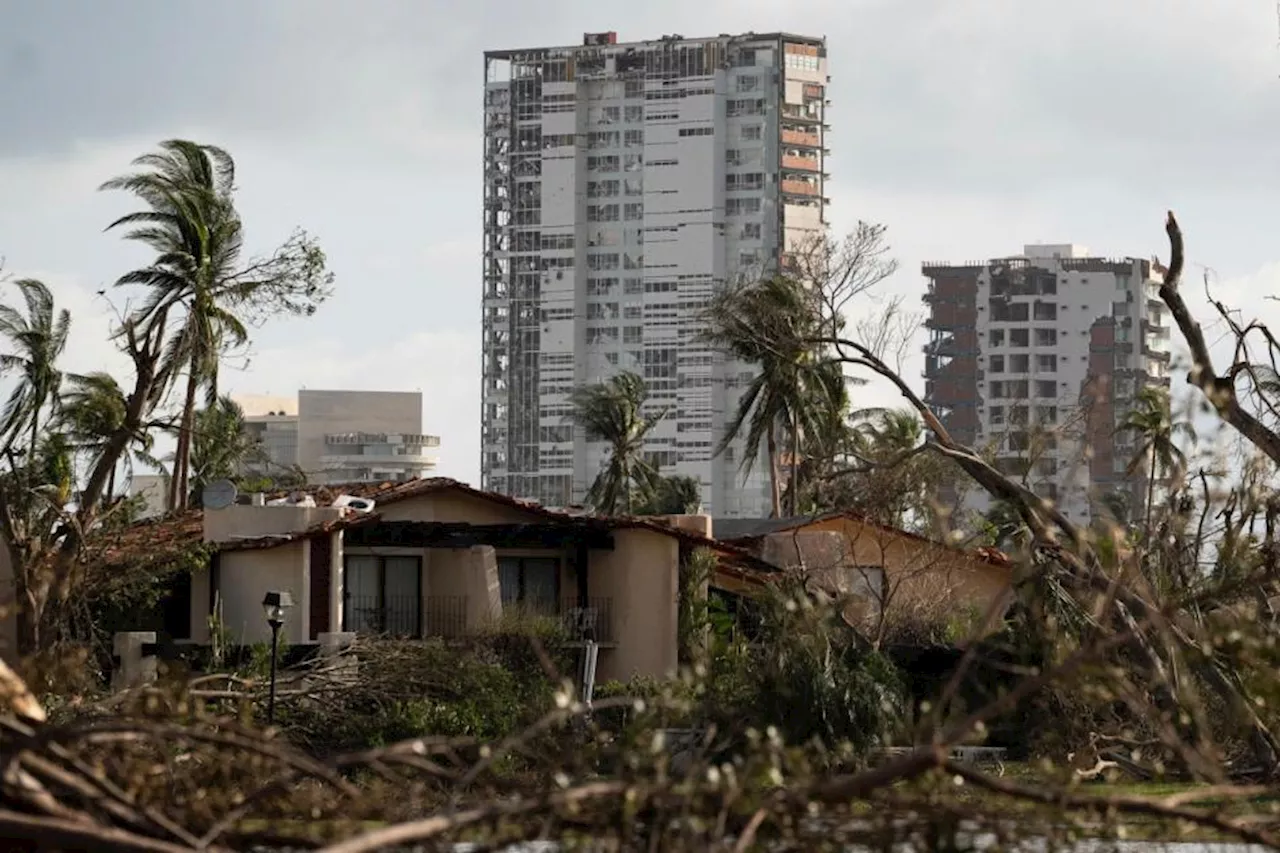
[{"x": 969, "y": 128}]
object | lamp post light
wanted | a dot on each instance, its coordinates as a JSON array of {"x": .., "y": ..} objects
[{"x": 275, "y": 604}]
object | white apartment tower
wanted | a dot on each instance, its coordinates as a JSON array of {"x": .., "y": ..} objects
[
  {"x": 1039, "y": 358},
  {"x": 624, "y": 184}
]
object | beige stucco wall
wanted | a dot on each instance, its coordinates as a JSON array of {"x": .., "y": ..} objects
[
  {"x": 244, "y": 521},
  {"x": 919, "y": 576},
  {"x": 244, "y": 578},
  {"x": 447, "y": 506},
  {"x": 641, "y": 575}
]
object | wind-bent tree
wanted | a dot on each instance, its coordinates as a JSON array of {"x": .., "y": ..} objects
[
  {"x": 191, "y": 223},
  {"x": 789, "y": 396},
  {"x": 34, "y": 343},
  {"x": 613, "y": 412},
  {"x": 1157, "y": 454},
  {"x": 220, "y": 447},
  {"x": 94, "y": 408}
]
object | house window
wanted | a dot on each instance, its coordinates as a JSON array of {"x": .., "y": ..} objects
[
  {"x": 533, "y": 582},
  {"x": 382, "y": 595}
]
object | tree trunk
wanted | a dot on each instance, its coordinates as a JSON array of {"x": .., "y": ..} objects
[
  {"x": 1151, "y": 489},
  {"x": 793, "y": 491},
  {"x": 179, "y": 477},
  {"x": 775, "y": 475},
  {"x": 30, "y": 596}
]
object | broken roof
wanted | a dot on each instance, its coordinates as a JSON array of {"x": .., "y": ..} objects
[{"x": 747, "y": 529}]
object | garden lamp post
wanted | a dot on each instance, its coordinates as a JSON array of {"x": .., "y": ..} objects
[{"x": 275, "y": 604}]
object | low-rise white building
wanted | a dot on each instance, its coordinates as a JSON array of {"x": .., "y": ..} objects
[{"x": 343, "y": 436}]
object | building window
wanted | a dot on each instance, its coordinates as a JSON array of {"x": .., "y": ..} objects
[
  {"x": 1020, "y": 364},
  {"x": 995, "y": 364},
  {"x": 1047, "y": 363},
  {"x": 382, "y": 595},
  {"x": 1046, "y": 337},
  {"x": 1019, "y": 337},
  {"x": 530, "y": 582},
  {"x": 1046, "y": 388}
]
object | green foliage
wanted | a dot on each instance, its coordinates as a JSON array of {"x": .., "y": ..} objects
[
  {"x": 774, "y": 324},
  {"x": 675, "y": 495},
  {"x": 220, "y": 447},
  {"x": 809, "y": 675},
  {"x": 612, "y": 412},
  {"x": 692, "y": 614}
]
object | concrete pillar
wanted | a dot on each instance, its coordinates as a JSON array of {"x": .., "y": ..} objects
[
  {"x": 484, "y": 594},
  {"x": 133, "y": 667},
  {"x": 334, "y": 643},
  {"x": 337, "y": 661}
]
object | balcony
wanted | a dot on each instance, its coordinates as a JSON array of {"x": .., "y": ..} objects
[
  {"x": 805, "y": 164},
  {"x": 800, "y": 188},
  {"x": 794, "y": 112},
  {"x": 802, "y": 138},
  {"x": 405, "y": 438},
  {"x": 407, "y": 457}
]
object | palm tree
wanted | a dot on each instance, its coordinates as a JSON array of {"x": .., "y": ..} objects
[
  {"x": 612, "y": 412},
  {"x": 772, "y": 324},
  {"x": 675, "y": 495},
  {"x": 93, "y": 410},
  {"x": 1151, "y": 420},
  {"x": 37, "y": 341},
  {"x": 192, "y": 225},
  {"x": 221, "y": 449}
]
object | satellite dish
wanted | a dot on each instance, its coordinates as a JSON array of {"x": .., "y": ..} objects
[{"x": 219, "y": 494}]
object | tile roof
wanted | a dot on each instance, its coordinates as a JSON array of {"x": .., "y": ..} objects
[
  {"x": 156, "y": 540},
  {"x": 744, "y": 530}
]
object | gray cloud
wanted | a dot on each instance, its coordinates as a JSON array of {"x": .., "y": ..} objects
[{"x": 970, "y": 128}]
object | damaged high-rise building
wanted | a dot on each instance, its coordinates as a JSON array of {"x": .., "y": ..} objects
[
  {"x": 624, "y": 183},
  {"x": 1039, "y": 358}
]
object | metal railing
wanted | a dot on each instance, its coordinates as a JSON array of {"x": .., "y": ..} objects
[
  {"x": 595, "y": 621},
  {"x": 394, "y": 615},
  {"x": 446, "y": 616}
]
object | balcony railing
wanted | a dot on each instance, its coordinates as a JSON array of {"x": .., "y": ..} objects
[
  {"x": 799, "y": 187},
  {"x": 392, "y": 615},
  {"x": 808, "y": 164},
  {"x": 446, "y": 616},
  {"x": 801, "y": 137},
  {"x": 593, "y": 622}
]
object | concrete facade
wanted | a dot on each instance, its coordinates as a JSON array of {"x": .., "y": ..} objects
[
  {"x": 625, "y": 184},
  {"x": 1039, "y": 357},
  {"x": 344, "y": 436}
]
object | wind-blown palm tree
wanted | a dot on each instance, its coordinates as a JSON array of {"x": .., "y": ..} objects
[
  {"x": 220, "y": 447},
  {"x": 94, "y": 408},
  {"x": 192, "y": 225},
  {"x": 772, "y": 324},
  {"x": 35, "y": 341},
  {"x": 612, "y": 412},
  {"x": 1151, "y": 420}
]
